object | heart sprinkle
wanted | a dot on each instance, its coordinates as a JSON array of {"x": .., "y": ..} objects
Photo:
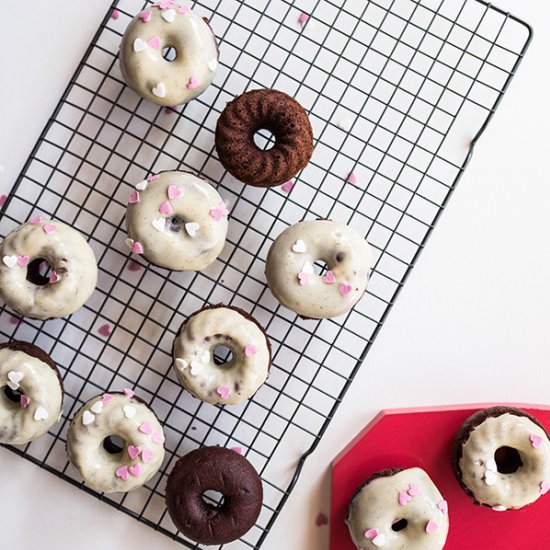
[
  {"x": 414, "y": 490},
  {"x": 115, "y": 14},
  {"x": 157, "y": 438},
  {"x": 106, "y": 398},
  {"x": 490, "y": 477},
  {"x": 191, "y": 228},
  {"x": 54, "y": 278},
  {"x": 183, "y": 9},
  {"x": 352, "y": 178},
  {"x": 14, "y": 377},
  {"x": 159, "y": 224},
  {"x": 168, "y": 15},
  {"x": 329, "y": 278},
  {"x": 166, "y": 208},
  {"x": 218, "y": 212},
  {"x": 544, "y": 487},
  {"x": 24, "y": 401},
  {"x": 137, "y": 248},
  {"x": 133, "y": 198},
  {"x": 41, "y": 414},
  {"x": 238, "y": 450},
  {"x": 154, "y": 42},
  {"x": 371, "y": 534},
  {"x": 223, "y": 392},
  {"x": 303, "y": 18},
  {"x": 159, "y": 90},
  {"x": 250, "y": 350},
  {"x": 10, "y": 261},
  {"x": 287, "y": 187},
  {"x": 304, "y": 278},
  {"x": 87, "y": 418},
  {"x": 145, "y": 16},
  {"x": 153, "y": 177},
  {"x": 174, "y": 192},
  {"x": 146, "y": 428},
  {"x": 499, "y": 508},
  {"x": 193, "y": 83},
  {"x": 379, "y": 540},
  {"x": 97, "y": 407},
  {"x": 165, "y": 4},
  {"x": 49, "y": 228},
  {"x": 181, "y": 364},
  {"x": 129, "y": 411},
  {"x": 536, "y": 441},
  {"x": 134, "y": 452},
  {"x": 122, "y": 473},
  {"x": 128, "y": 392},
  {"x": 37, "y": 220},
  {"x": 135, "y": 470},
  {"x": 139, "y": 45},
  {"x": 105, "y": 330},
  {"x": 134, "y": 266},
  {"x": 431, "y": 527},
  {"x": 23, "y": 261},
  {"x": 196, "y": 368},
  {"x": 299, "y": 247},
  {"x": 443, "y": 506},
  {"x": 403, "y": 498},
  {"x": 344, "y": 289},
  {"x": 321, "y": 520},
  {"x": 146, "y": 455},
  {"x": 3, "y": 199},
  {"x": 345, "y": 124},
  {"x": 213, "y": 65},
  {"x": 14, "y": 320}
]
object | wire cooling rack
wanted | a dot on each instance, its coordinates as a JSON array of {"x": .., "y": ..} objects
[{"x": 398, "y": 92}]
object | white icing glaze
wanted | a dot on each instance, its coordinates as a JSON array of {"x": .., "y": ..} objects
[
  {"x": 122, "y": 416},
  {"x": 377, "y": 507},
  {"x": 40, "y": 384},
  {"x": 194, "y": 362},
  {"x": 347, "y": 255},
  {"x": 182, "y": 249},
  {"x": 66, "y": 252},
  {"x": 479, "y": 469},
  {"x": 157, "y": 79}
]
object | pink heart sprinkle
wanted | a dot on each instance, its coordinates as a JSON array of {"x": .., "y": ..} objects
[
  {"x": 174, "y": 192},
  {"x": 106, "y": 398},
  {"x": 37, "y": 220},
  {"x": 49, "y": 228},
  {"x": 303, "y": 18},
  {"x": 154, "y": 42},
  {"x": 544, "y": 487},
  {"x": 223, "y": 392},
  {"x": 14, "y": 320},
  {"x": 133, "y": 198},
  {"x": 146, "y": 455},
  {"x": 145, "y": 16},
  {"x": 157, "y": 438},
  {"x": 135, "y": 470},
  {"x": 287, "y": 187},
  {"x": 54, "y": 278},
  {"x": 122, "y": 472},
  {"x": 304, "y": 278},
  {"x": 250, "y": 350},
  {"x": 321, "y": 520},
  {"x": 443, "y": 506},
  {"x": 352, "y": 178},
  {"x": 146, "y": 428},
  {"x": 165, "y": 4},
  {"x": 403, "y": 498},
  {"x": 3, "y": 199},
  {"x": 414, "y": 490},
  {"x": 536, "y": 441},
  {"x": 105, "y": 330},
  {"x": 137, "y": 248},
  {"x": 154, "y": 177},
  {"x": 115, "y": 14},
  {"x": 371, "y": 534},
  {"x": 329, "y": 278},
  {"x": 134, "y": 266},
  {"x": 218, "y": 212},
  {"x": 24, "y": 401},
  {"x": 23, "y": 261},
  {"x": 128, "y": 392},
  {"x": 133, "y": 451},
  {"x": 166, "y": 208},
  {"x": 183, "y": 9},
  {"x": 170, "y": 110},
  {"x": 193, "y": 83},
  {"x": 238, "y": 450},
  {"x": 431, "y": 527},
  {"x": 344, "y": 289}
]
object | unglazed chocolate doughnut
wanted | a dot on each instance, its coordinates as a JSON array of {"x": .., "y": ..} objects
[
  {"x": 106, "y": 468},
  {"x": 270, "y": 110},
  {"x": 214, "y": 469},
  {"x": 291, "y": 277},
  {"x": 31, "y": 393},
  {"x": 177, "y": 221},
  {"x": 231, "y": 382},
  {"x": 502, "y": 458},
  {"x": 71, "y": 260},
  {"x": 168, "y": 25},
  {"x": 398, "y": 510}
]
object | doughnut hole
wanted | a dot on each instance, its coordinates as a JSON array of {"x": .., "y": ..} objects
[
  {"x": 213, "y": 499},
  {"x": 222, "y": 355},
  {"x": 113, "y": 444},
  {"x": 169, "y": 53},
  {"x": 399, "y": 525},
  {"x": 13, "y": 396},
  {"x": 320, "y": 267},
  {"x": 175, "y": 223},
  {"x": 508, "y": 460},
  {"x": 38, "y": 272},
  {"x": 264, "y": 139}
]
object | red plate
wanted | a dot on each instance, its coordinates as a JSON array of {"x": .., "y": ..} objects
[{"x": 424, "y": 438}]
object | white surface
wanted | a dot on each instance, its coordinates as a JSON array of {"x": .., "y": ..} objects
[{"x": 470, "y": 326}]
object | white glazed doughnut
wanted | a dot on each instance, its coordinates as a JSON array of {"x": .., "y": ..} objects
[
  {"x": 290, "y": 274},
  {"x": 70, "y": 258},
  {"x": 399, "y": 510},
  {"x": 176, "y": 220},
  {"x": 502, "y": 458},
  {"x": 163, "y": 25},
  {"x": 234, "y": 381},
  {"x": 128, "y": 418},
  {"x": 31, "y": 393}
]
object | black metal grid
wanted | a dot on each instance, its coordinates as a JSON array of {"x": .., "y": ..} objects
[{"x": 398, "y": 92}]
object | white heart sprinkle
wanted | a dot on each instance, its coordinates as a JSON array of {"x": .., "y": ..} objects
[
  {"x": 196, "y": 368},
  {"x": 181, "y": 364},
  {"x": 205, "y": 357},
  {"x": 308, "y": 268},
  {"x": 191, "y": 228},
  {"x": 490, "y": 477},
  {"x": 41, "y": 414},
  {"x": 139, "y": 45},
  {"x": 87, "y": 418},
  {"x": 345, "y": 124},
  {"x": 168, "y": 15},
  {"x": 379, "y": 540},
  {"x": 500, "y": 508},
  {"x": 129, "y": 411},
  {"x": 213, "y": 65},
  {"x": 10, "y": 261},
  {"x": 299, "y": 247},
  {"x": 491, "y": 465},
  {"x": 159, "y": 224},
  {"x": 142, "y": 185},
  {"x": 129, "y": 243},
  {"x": 15, "y": 376},
  {"x": 97, "y": 407},
  {"x": 159, "y": 90}
]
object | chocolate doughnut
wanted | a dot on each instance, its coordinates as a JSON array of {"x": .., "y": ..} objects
[{"x": 214, "y": 469}]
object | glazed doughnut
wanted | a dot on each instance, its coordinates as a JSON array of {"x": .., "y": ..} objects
[
  {"x": 104, "y": 466},
  {"x": 276, "y": 112},
  {"x": 168, "y": 25},
  {"x": 214, "y": 469},
  {"x": 32, "y": 393},
  {"x": 234, "y": 381},
  {"x": 397, "y": 510},
  {"x": 177, "y": 221},
  {"x": 71, "y": 260},
  {"x": 502, "y": 458},
  {"x": 290, "y": 274}
]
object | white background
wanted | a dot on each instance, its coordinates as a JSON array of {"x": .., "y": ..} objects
[{"x": 472, "y": 324}]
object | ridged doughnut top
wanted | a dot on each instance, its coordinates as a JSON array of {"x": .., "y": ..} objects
[{"x": 270, "y": 110}]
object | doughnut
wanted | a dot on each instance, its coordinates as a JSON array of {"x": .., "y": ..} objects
[
  {"x": 73, "y": 267},
  {"x": 291, "y": 277},
  {"x": 157, "y": 79},
  {"x": 398, "y": 509},
  {"x": 177, "y": 221},
  {"x": 501, "y": 458},
  {"x": 269, "y": 110},
  {"x": 109, "y": 466},
  {"x": 32, "y": 392},
  {"x": 214, "y": 469},
  {"x": 237, "y": 379}
]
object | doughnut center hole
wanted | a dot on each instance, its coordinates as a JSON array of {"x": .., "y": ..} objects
[
  {"x": 399, "y": 525},
  {"x": 222, "y": 355},
  {"x": 113, "y": 444},
  {"x": 175, "y": 224},
  {"x": 13, "y": 395},
  {"x": 320, "y": 267},
  {"x": 38, "y": 272},
  {"x": 213, "y": 499},
  {"x": 264, "y": 139},
  {"x": 169, "y": 53},
  {"x": 508, "y": 460}
]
